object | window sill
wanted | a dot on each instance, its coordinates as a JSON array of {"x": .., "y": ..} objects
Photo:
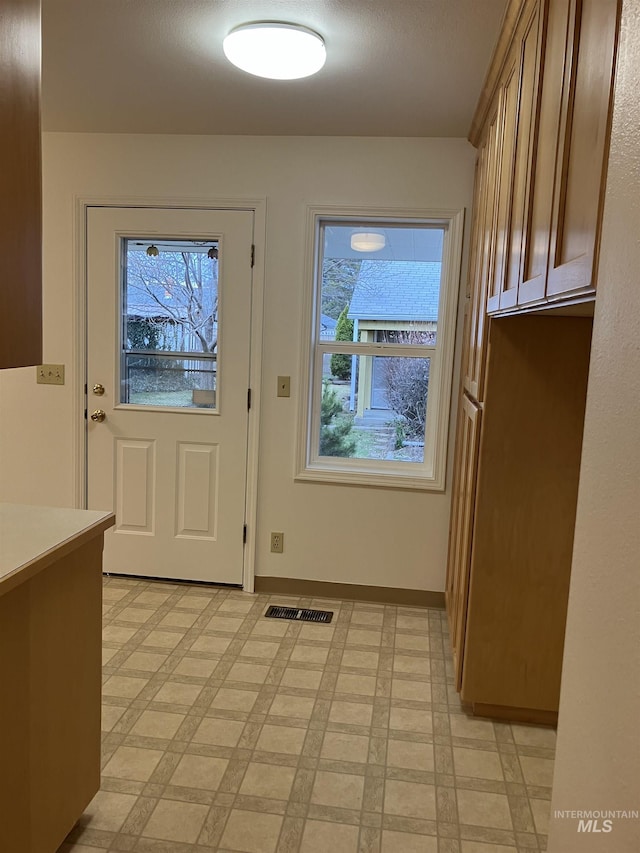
[{"x": 370, "y": 479}]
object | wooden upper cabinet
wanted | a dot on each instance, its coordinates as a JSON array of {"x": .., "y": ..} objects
[
  {"x": 516, "y": 104},
  {"x": 550, "y": 85},
  {"x": 475, "y": 309},
  {"x": 20, "y": 185},
  {"x": 570, "y": 152},
  {"x": 506, "y": 143},
  {"x": 583, "y": 146},
  {"x": 535, "y": 244},
  {"x": 482, "y": 256},
  {"x": 527, "y": 62}
]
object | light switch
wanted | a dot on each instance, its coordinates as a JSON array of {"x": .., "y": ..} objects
[
  {"x": 50, "y": 374},
  {"x": 284, "y": 386}
]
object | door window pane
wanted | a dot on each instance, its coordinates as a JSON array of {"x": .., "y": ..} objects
[
  {"x": 160, "y": 379},
  {"x": 170, "y": 323}
]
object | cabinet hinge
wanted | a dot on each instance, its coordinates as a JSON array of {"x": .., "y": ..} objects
[
  {"x": 85, "y": 414},
  {"x": 253, "y": 255},
  {"x": 248, "y": 398},
  {"x": 244, "y": 535}
]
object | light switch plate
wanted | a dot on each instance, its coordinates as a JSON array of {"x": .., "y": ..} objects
[
  {"x": 50, "y": 374},
  {"x": 284, "y": 386}
]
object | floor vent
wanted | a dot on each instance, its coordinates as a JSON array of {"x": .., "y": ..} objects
[{"x": 302, "y": 615}]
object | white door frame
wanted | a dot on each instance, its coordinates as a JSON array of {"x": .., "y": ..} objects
[{"x": 79, "y": 356}]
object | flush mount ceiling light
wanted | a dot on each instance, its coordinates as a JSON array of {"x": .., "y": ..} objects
[
  {"x": 275, "y": 50},
  {"x": 367, "y": 242}
]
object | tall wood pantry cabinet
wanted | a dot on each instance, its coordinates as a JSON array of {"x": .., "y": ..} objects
[
  {"x": 541, "y": 129},
  {"x": 20, "y": 185}
]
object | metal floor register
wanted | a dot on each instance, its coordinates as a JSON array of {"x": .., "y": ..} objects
[{"x": 300, "y": 614}]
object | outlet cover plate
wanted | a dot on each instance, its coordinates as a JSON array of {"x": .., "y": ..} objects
[{"x": 277, "y": 543}]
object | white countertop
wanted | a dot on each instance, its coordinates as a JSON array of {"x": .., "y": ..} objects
[{"x": 32, "y": 534}]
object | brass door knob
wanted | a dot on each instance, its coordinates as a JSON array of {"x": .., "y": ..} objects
[
  {"x": 98, "y": 389},
  {"x": 98, "y": 416}
]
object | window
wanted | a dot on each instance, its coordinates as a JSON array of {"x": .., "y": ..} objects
[
  {"x": 381, "y": 327},
  {"x": 170, "y": 319}
]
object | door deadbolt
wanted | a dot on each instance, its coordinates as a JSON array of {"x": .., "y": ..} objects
[
  {"x": 98, "y": 389},
  {"x": 98, "y": 416}
]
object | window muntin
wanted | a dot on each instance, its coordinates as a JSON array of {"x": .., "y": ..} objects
[
  {"x": 170, "y": 322},
  {"x": 403, "y": 317}
]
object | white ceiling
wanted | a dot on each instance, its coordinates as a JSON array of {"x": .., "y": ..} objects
[{"x": 394, "y": 67}]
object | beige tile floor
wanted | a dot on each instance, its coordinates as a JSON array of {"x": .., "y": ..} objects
[{"x": 225, "y": 731}]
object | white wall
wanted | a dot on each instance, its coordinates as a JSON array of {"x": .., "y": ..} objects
[
  {"x": 342, "y": 534},
  {"x": 598, "y": 751}
]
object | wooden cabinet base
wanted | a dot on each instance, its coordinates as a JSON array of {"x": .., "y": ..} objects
[
  {"x": 521, "y": 535},
  {"x": 515, "y": 715},
  {"x": 50, "y": 682}
]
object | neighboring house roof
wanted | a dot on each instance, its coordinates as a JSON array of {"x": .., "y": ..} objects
[
  {"x": 327, "y": 323},
  {"x": 154, "y": 301},
  {"x": 396, "y": 290},
  {"x": 141, "y": 302}
]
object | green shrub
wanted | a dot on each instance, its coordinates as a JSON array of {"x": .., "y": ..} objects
[
  {"x": 335, "y": 425},
  {"x": 341, "y": 364}
]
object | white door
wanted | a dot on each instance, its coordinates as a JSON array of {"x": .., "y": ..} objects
[{"x": 168, "y": 344}]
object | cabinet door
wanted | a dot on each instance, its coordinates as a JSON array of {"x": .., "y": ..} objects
[
  {"x": 474, "y": 319},
  {"x": 583, "y": 146},
  {"x": 20, "y": 204},
  {"x": 460, "y": 535},
  {"x": 516, "y": 102},
  {"x": 507, "y": 127},
  {"x": 567, "y": 181},
  {"x": 482, "y": 257},
  {"x": 535, "y": 248},
  {"x": 528, "y": 65}
]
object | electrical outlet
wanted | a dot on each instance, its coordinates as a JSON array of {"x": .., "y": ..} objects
[
  {"x": 50, "y": 374},
  {"x": 277, "y": 543}
]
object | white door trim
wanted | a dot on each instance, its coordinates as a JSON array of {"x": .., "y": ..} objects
[{"x": 79, "y": 343}]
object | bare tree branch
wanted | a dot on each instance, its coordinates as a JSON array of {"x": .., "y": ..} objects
[{"x": 184, "y": 287}]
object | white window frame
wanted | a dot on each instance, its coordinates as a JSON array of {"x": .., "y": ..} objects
[{"x": 430, "y": 474}]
